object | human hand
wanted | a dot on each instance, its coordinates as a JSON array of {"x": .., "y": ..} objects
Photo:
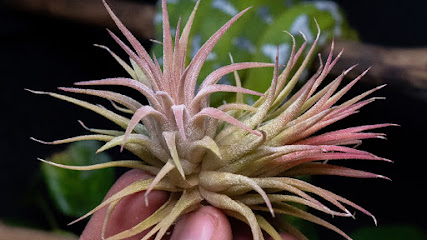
[{"x": 206, "y": 223}]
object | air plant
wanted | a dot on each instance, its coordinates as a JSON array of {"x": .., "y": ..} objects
[{"x": 243, "y": 159}]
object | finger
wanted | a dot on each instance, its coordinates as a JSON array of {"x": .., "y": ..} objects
[
  {"x": 206, "y": 223},
  {"x": 130, "y": 211}
]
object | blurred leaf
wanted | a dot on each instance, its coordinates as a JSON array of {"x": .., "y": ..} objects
[
  {"x": 296, "y": 19},
  {"x": 255, "y": 35},
  {"x": 390, "y": 232},
  {"x": 77, "y": 192}
]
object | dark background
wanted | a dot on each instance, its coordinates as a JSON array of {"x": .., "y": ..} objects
[{"x": 41, "y": 53}]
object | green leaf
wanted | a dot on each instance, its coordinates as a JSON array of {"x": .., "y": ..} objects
[
  {"x": 300, "y": 17},
  {"x": 255, "y": 35},
  {"x": 390, "y": 232},
  {"x": 77, "y": 192}
]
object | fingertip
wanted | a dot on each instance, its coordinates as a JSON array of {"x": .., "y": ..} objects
[
  {"x": 205, "y": 223},
  {"x": 222, "y": 227}
]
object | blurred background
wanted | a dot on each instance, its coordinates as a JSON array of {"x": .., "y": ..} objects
[{"x": 49, "y": 43}]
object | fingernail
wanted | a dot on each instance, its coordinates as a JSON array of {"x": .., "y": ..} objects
[{"x": 195, "y": 226}]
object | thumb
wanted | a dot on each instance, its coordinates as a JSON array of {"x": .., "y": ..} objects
[{"x": 206, "y": 223}]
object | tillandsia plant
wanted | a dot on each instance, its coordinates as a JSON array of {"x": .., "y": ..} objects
[{"x": 243, "y": 159}]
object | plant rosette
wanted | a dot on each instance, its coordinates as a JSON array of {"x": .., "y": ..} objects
[{"x": 244, "y": 159}]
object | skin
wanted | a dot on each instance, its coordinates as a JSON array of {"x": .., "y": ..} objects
[{"x": 206, "y": 223}]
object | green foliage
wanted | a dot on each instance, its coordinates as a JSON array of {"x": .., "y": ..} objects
[
  {"x": 294, "y": 19},
  {"x": 389, "y": 232},
  {"x": 254, "y": 36},
  {"x": 77, "y": 192}
]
